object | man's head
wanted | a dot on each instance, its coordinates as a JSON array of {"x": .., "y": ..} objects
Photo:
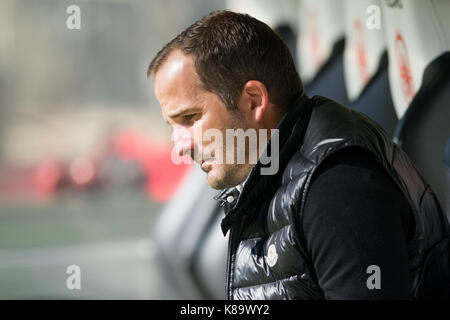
[{"x": 226, "y": 71}]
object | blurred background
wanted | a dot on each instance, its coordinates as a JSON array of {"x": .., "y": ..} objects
[
  {"x": 84, "y": 154},
  {"x": 86, "y": 177}
]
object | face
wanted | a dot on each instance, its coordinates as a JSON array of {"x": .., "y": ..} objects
[{"x": 190, "y": 109}]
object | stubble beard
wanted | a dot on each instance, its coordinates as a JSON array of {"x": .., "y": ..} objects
[{"x": 224, "y": 175}]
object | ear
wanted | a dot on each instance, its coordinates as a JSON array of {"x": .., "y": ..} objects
[{"x": 255, "y": 98}]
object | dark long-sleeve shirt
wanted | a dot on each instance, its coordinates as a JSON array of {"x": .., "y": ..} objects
[{"x": 355, "y": 216}]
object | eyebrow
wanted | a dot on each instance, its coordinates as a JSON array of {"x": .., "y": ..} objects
[{"x": 179, "y": 113}]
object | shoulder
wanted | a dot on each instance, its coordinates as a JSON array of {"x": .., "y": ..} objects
[
  {"x": 349, "y": 187},
  {"x": 333, "y": 126},
  {"x": 351, "y": 169}
]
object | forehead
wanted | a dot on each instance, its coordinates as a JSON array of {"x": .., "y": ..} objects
[{"x": 177, "y": 80}]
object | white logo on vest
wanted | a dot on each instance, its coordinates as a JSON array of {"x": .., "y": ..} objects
[{"x": 272, "y": 256}]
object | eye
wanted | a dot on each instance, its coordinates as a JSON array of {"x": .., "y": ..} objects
[{"x": 190, "y": 118}]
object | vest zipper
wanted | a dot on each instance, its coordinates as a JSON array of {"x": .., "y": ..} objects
[{"x": 228, "y": 281}]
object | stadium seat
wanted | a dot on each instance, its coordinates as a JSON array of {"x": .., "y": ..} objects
[
  {"x": 366, "y": 64},
  {"x": 320, "y": 48},
  {"x": 191, "y": 247},
  {"x": 280, "y": 15},
  {"x": 447, "y": 168},
  {"x": 273, "y": 13},
  {"x": 418, "y": 37}
]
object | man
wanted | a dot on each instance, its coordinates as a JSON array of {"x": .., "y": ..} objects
[{"x": 345, "y": 215}]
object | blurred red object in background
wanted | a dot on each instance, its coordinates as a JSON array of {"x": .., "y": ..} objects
[
  {"x": 46, "y": 177},
  {"x": 82, "y": 171},
  {"x": 154, "y": 157}
]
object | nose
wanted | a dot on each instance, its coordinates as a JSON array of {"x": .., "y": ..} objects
[{"x": 183, "y": 141}]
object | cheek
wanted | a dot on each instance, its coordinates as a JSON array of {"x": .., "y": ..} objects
[{"x": 198, "y": 130}]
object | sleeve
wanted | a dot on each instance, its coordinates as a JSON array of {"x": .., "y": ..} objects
[{"x": 355, "y": 221}]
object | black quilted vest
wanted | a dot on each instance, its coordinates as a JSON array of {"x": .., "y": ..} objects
[{"x": 267, "y": 258}]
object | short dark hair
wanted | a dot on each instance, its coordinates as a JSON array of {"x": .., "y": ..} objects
[{"x": 230, "y": 49}]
